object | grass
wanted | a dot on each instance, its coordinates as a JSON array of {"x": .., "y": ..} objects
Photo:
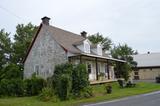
[{"x": 99, "y": 95}]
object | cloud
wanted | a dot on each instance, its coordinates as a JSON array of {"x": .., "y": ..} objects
[{"x": 135, "y": 22}]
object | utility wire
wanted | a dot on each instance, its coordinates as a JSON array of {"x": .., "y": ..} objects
[{"x": 10, "y": 12}]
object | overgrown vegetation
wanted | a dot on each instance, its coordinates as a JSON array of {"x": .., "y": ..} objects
[
  {"x": 18, "y": 87},
  {"x": 68, "y": 82},
  {"x": 99, "y": 92},
  {"x": 123, "y": 52},
  {"x": 71, "y": 81},
  {"x": 12, "y": 52}
]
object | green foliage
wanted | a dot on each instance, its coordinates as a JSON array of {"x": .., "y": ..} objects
[
  {"x": 47, "y": 94},
  {"x": 11, "y": 71},
  {"x": 108, "y": 88},
  {"x": 79, "y": 79},
  {"x": 123, "y": 52},
  {"x": 22, "y": 40},
  {"x": 34, "y": 85},
  {"x": 64, "y": 87},
  {"x": 62, "y": 80},
  {"x": 86, "y": 92},
  {"x": 11, "y": 87},
  {"x": 12, "y": 53},
  {"x": 97, "y": 38},
  {"x": 5, "y": 50},
  {"x": 71, "y": 80}
]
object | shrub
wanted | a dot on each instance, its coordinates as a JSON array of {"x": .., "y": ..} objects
[
  {"x": 70, "y": 80},
  {"x": 108, "y": 88},
  {"x": 121, "y": 83},
  {"x": 34, "y": 85},
  {"x": 12, "y": 87},
  {"x": 62, "y": 80},
  {"x": 79, "y": 79},
  {"x": 86, "y": 92},
  {"x": 11, "y": 71},
  {"x": 64, "y": 87},
  {"x": 47, "y": 94}
]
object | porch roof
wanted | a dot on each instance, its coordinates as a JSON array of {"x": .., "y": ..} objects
[{"x": 102, "y": 57}]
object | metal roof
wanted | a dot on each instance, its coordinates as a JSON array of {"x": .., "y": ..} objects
[{"x": 147, "y": 60}]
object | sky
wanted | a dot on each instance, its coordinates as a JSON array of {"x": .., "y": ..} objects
[{"x": 134, "y": 22}]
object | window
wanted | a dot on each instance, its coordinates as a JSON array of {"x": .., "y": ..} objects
[
  {"x": 136, "y": 77},
  {"x": 135, "y": 73},
  {"x": 86, "y": 48},
  {"x": 89, "y": 68},
  {"x": 36, "y": 69},
  {"x": 99, "y": 50}
]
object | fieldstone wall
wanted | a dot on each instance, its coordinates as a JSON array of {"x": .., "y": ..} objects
[{"x": 44, "y": 55}]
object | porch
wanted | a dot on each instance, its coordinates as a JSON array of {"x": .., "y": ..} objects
[
  {"x": 102, "y": 81},
  {"x": 100, "y": 68}
]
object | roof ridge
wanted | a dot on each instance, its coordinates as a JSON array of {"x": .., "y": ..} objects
[{"x": 65, "y": 30}]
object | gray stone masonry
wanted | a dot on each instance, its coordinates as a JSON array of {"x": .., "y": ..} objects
[{"x": 44, "y": 55}]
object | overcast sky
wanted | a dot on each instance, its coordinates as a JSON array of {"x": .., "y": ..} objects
[{"x": 135, "y": 22}]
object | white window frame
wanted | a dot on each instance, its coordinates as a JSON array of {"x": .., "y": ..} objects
[
  {"x": 90, "y": 68},
  {"x": 99, "y": 49},
  {"x": 86, "y": 48}
]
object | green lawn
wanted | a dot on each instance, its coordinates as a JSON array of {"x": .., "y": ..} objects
[{"x": 99, "y": 95}]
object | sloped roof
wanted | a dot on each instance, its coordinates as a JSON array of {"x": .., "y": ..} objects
[
  {"x": 65, "y": 38},
  {"x": 147, "y": 60}
]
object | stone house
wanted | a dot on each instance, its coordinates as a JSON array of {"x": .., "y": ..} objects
[
  {"x": 52, "y": 46},
  {"x": 148, "y": 66}
]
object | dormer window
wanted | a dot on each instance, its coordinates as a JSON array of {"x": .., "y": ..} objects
[
  {"x": 99, "y": 49},
  {"x": 86, "y": 47}
]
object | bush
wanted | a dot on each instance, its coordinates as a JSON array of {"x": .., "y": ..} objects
[
  {"x": 70, "y": 80},
  {"x": 121, "y": 83},
  {"x": 108, "y": 89},
  {"x": 19, "y": 87},
  {"x": 64, "y": 87},
  {"x": 34, "y": 85},
  {"x": 86, "y": 92},
  {"x": 11, "y": 71},
  {"x": 79, "y": 79},
  {"x": 47, "y": 94},
  {"x": 62, "y": 80},
  {"x": 12, "y": 87}
]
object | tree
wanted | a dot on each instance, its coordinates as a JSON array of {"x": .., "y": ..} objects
[
  {"x": 5, "y": 50},
  {"x": 22, "y": 40},
  {"x": 98, "y": 38},
  {"x": 123, "y": 52},
  {"x": 12, "y": 53}
]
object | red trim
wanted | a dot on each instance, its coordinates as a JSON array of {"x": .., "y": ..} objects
[
  {"x": 32, "y": 42},
  {"x": 64, "y": 49}
]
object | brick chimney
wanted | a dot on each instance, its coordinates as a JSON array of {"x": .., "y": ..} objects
[
  {"x": 45, "y": 20},
  {"x": 84, "y": 34}
]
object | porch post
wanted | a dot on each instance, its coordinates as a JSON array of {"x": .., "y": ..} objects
[
  {"x": 108, "y": 70},
  {"x": 96, "y": 70},
  {"x": 80, "y": 59},
  {"x": 69, "y": 59}
]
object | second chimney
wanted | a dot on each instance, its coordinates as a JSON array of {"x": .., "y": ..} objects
[
  {"x": 84, "y": 34},
  {"x": 45, "y": 20}
]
